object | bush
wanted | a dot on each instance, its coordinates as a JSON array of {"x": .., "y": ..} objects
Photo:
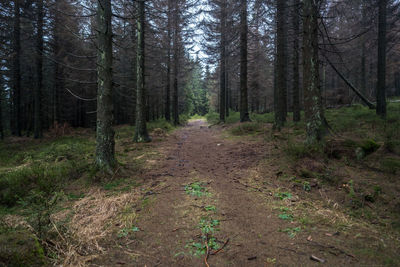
[{"x": 212, "y": 117}]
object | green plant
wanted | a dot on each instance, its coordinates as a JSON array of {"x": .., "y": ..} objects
[
  {"x": 196, "y": 189},
  {"x": 286, "y": 216},
  {"x": 283, "y": 195},
  {"x": 208, "y": 226},
  {"x": 124, "y": 232},
  {"x": 210, "y": 208},
  {"x": 306, "y": 186},
  {"x": 292, "y": 231}
]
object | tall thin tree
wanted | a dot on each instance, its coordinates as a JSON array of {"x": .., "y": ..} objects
[
  {"x": 167, "y": 109},
  {"x": 17, "y": 120},
  {"x": 105, "y": 143},
  {"x": 280, "y": 110},
  {"x": 39, "y": 72},
  {"x": 381, "y": 84},
  {"x": 315, "y": 120},
  {"x": 244, "y": 109},
  {"x": 141, "y": 134},
  {"x": 222, "y": 85},
  {"x": 295, "y": 61},
  {"x": 175, "y": 99}
]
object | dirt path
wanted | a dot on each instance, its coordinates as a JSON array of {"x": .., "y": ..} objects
[{"x": 169, "y": 219}]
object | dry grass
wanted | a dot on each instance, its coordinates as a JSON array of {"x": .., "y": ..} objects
[{"x": 94, "y": 218}]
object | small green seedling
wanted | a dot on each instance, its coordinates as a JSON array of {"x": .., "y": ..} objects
[
  {"x": 292, "y": 231},
  {"x": 286, "y": 217},
  {"x": 208, "y": 226},
  {"x": 283, "y": 195},
  {"x": 210, "y": 208},
  {"x": 196, "y": 189},
  {"x": 126, "y": 231},
  {"x": 307, "y": 186}
]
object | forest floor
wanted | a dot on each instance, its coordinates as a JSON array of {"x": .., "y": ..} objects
[{"x": 230, "y": 195}]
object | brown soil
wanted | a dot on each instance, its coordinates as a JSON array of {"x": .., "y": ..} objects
[{"x": 241, "y": 176}]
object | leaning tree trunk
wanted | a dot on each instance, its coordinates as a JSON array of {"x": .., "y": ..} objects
[
  {"x": 244, "y": 108},
  {"x": 315, "y": 120},
  {"x": 39, "y": 75},
  {"x": 222, "y": 86},
  {"x": 105, "y": 159},
  {"x": 296, "y": 72},
  {"x": 141, "y": 134},
  {"x": 280, "y": 111},
  {"x": 17, "y": 114},
  {"x": 175, "y": 99},
  {"x": 381, "y": 85}
]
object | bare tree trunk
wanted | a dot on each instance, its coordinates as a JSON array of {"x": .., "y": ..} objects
[
  {"x": 280, "y": 111},
  {"x": 175, "y": 99},
  {"x": 168, "y": 85},
  {"x": 315, "y": 120},
  {"x": 17, "y": 71},
  {"x": 222, "y": 97},
  {"x": 105, "y": 159},
  {"x": 244, "y": 108},
  {"x": 363, "y": 75},
  {"x": 381, "y": 86},
  {"x": 296, "y": 58},
  {"x": 39, "y": 75},
  {"x": 141, "y": 134}
]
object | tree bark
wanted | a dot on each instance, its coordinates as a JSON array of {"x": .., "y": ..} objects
[
  {"x": 39, "y": 75},
  {"x": 167, "y": 109},
  {"x": 381, "y": 84},
  {"x": 244, "y": 108},
  {"x": 105, "y": 159},
  {"x": 296, "y": 58},
  {"x": 17, "y": 71},
  {"x": 315, "y": 120},
  {"x": 175, "y": 99},
  {"x": 280, "y": 111},
  {"x": 141, "y": 134},
  {"x": 222, "y": 85}
]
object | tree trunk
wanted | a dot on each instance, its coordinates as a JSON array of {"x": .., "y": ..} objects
[
  {"x": 17, "y": 118},
  {"x": 381, "y": 86},
  {"x": 296, "y": 72},
  {"x": 168, "y": 82},
  {"x": 105, "y": 159},
  {"x": 39, "y": 75},
  {"x": 141, "y": 134},
  {"x": 175, "y": 99},
  {"x": 280, "y": 111},
  {"x": 363, "y": 76},
  {"x": 222, "y": 85},
  {"x": 244, "y": 108},
  {"x": 1, "y": 110},
  {"x": 315, "y": 120}
]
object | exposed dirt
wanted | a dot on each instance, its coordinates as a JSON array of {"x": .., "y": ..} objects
[{"x": 246, "y": 206}]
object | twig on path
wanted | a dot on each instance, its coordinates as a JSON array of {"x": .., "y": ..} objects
[
  {"x": 215, "y": 252},
  {"x": 207, "y": 254},
  {"x": 330, "y": 247}
]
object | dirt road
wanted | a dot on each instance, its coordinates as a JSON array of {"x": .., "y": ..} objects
[{"x": 243, "y": 222}]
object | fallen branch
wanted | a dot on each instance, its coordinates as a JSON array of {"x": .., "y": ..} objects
[
  {"x": 207, "y": 254},
  {"x": 215, "y": 252}
]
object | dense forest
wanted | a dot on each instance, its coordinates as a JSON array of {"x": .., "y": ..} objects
[{"x": 189, "y": 132}]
